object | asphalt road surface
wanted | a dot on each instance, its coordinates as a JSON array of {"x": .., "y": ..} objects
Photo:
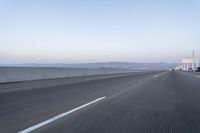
[{"x": 150, "y": 102}]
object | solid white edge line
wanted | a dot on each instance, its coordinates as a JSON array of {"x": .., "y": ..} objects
[
  {"x": 59, "y": 116},
  {"x": 155, "y": 76}
]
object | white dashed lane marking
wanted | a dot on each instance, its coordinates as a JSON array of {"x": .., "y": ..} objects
[{"x": 59, "y": 116}]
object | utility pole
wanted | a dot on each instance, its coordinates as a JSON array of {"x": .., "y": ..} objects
[{"x": 193, "y": 60}]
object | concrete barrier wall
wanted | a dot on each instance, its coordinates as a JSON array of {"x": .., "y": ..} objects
[{"x": 12, "y": 74}]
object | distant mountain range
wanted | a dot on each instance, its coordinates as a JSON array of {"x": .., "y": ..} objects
[{"x": 122, "y": 65}]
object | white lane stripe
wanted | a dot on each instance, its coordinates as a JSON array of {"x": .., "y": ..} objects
[
  {"x": 198, "y": 76},
  {"x": 58, "y": 116},
  {"x": 155, "y": 76}
]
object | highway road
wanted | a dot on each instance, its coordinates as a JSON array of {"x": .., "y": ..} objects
[{"x": 149, "y": 102}]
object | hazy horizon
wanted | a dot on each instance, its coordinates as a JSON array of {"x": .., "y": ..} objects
[
  {"x": 105, "y": 62},
  {"x": 98, "y": 31}
]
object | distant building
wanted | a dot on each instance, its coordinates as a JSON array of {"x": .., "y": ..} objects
[{"x": 190, "y": 63}]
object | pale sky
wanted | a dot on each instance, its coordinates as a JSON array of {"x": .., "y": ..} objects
[{"x": 62, "y": 31}]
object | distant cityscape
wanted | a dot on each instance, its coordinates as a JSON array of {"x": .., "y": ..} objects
[{"x": 189, "y": 63}]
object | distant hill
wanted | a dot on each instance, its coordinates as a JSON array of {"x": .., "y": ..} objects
[{"x": 123, "y": 65}]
